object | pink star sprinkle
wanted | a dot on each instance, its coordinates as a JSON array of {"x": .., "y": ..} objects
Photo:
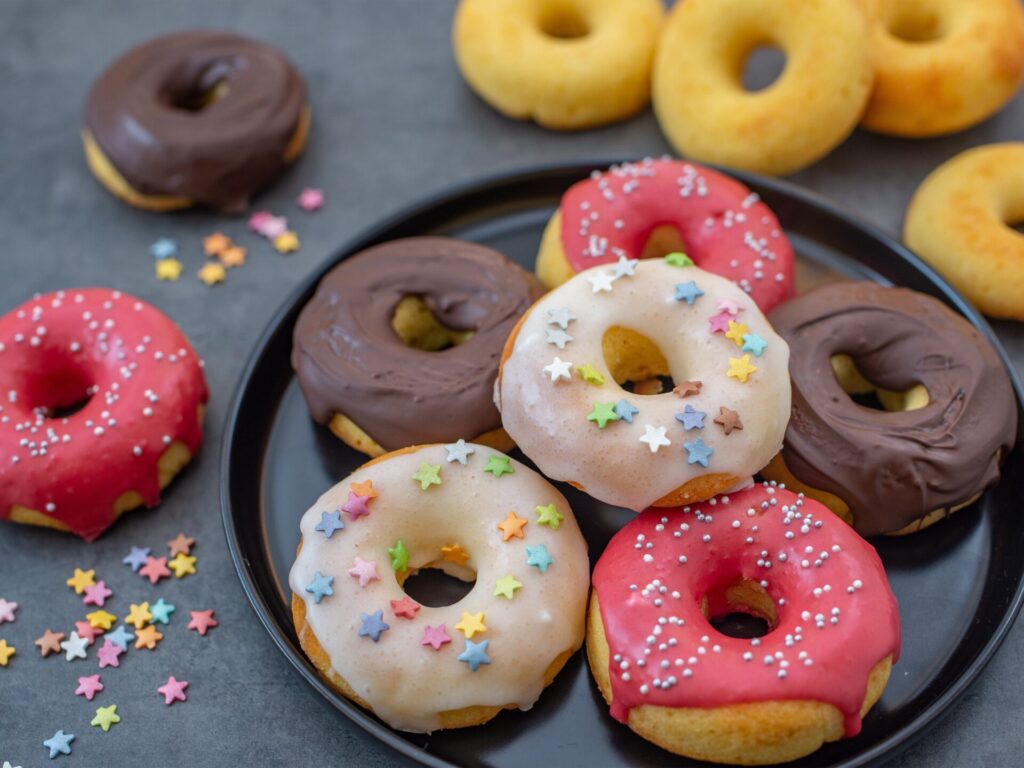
[
  {"x": 108, "y": 654},
  {"x": 719, "y": 322},
  {"x": 729, "y": 306},
  {"x": 258, "y": 220},
  {"x": 273, "y": 226},
  {"x": 89, "y": 686},
  {"x": 406, "y": 608},
  {"x": 173, "y": 690},
  {"x": 202, "y": 621},
  {"x": 311, "y": 199},
  {"x": 357, "y": 506},
  {"x": 87, "y": 631},
  {"x": 7, "y": 610},
  {"x": 364, "y": 570},
  {"x": 155, "y": 569},
  {"x": 435, "y": 637},
  {"x": 97, "y": 594}
]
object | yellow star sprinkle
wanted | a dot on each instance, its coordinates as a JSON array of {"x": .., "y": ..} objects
[
  {"x": 736, "y": 332},
  {"x": 147, "y": 637},
  {"x": 101, "y": 619},
  {"x": 168, "y": 269},
  {"x": 427, "y": 475},
  {"x": 512, "y": 526},
  {"x": 81, "y": 580},
  {"x": 183, "y": 565},
  {"x": 470, "y": 624},
  {"x": 454, "y": 554},
  {"x": 740, "y": 368},
  {"x": 106, "y": 717},
  {"x": 506, "y": 586},
  {"x": 138, "y": 615},
  {"x": 590, "y": 375},
  {"x": 212, "y": 273},
  {"x": 549, "y": 516},
  {"x": 6, "y": 651},
  {"x": 286, "y": 242}
]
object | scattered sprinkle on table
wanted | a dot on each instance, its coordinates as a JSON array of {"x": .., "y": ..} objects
[
  {"x": 173, "y": 690},
  {"x": 89, "y": 686},
  {"x": 216, "y": 243},
  {"x": 74, "y": 647},
  {"x": 155, "y": 569},
  {"x": 106, "y": 717},
  {"x": 7, "y": 610},
  {"x": 6, "y": 651},
  {"x": 161, "y": 611},
  {"x": 169, "y": 269},
  {"x": 59, "y": 744},
  {"x": 183, "y": 565},
  {"x": 310, "y": 199},
  {"x": 136, "y": 558},
  {"x": 163, "y": 248},
  {"x": 81, "y": 579},
  {"x": 180, "y": 545},
  {"x": 212, "y": 273},
  {"x": 202, "y": 621},
  {"x": 287, "y": 242},
  {"x": 147, "y": 638},
  {"x": 49, "y": 642}
]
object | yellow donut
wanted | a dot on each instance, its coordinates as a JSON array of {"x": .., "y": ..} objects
[
  {"x": 943, "y": 65},
  {"x": 958, "y": 221},
  {"x": 815, "y": 103},
  {"x": 566, "y": 64}
]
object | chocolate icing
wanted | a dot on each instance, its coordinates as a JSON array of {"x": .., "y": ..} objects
[
  {"x": 891, "y": 468},
  {"x": 350, "y": 360},
  {"x": 219, "y": 154}
]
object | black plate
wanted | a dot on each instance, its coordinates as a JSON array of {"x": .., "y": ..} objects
[{"x": 959, "y": 583}]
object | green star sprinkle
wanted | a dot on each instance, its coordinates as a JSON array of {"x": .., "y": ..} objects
[
  {"x": 678, "y": 259},
  {"x": 602, "y": 414},
  {"x": 106, "y": 717},
  {"x": 506, "y": 586},
  {"x": 399, "y": 557},
  {"x": 549, "y": 516},
  {"x": 499, "y": 465},
  {"x": 590, "y": 375},
  {"x": 428, "y": 475}
]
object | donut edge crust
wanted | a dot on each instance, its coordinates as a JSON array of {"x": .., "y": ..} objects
[{"x": 355, "y": 437}]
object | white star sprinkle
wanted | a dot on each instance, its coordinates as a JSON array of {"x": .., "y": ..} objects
[
  {"x": 557, "y": 337},
  {"x": 459, "y": 451},
  {"x": 654, "y": 437},
  {"x": 560, "y": 317},
  {"x": 625, "y": 267},
  {"x": 74, "y": 647},
  {"x": 602, "y": 281},
  {"x": 559, "y": 369}
]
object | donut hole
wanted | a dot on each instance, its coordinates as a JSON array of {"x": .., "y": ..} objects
[
  {"x": 437, "y": 585},
  {"x": 740, "y": 608},
  {"x": 763, "y": 65},
  {"x": 663, "y": 240},
  {"x": 418, "y": 327},
  {"x": 869, "y": 395},
  {"x": 563, "y": 21},
  {"x": 194, "y": 91},
  {"x": 915, "y": 22},
  {"x": 59, "y": 391},
  {"x": 635, "y": 362}
]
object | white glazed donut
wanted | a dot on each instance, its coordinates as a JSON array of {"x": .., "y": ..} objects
[
  {"x": 456, "y": 665},
  {"x": 560, "y": 397}
]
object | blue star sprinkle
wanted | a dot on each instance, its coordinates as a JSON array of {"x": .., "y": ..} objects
[
  {"x": 162, "y": 611},
  {"x": 698, "y": 452},
  {"x": 626, "y": 411},
  {"x": 163, "y": 248},
  {"x": 754, "y": 343},
  {"x": 329, "y": 523},
  {"x": 475, "y": 654},
  {"x": 320, "y": 586},
  {"x": 373, "y": 625},
  {"x": 136, "y": 558},
  {"x": 59, "y": 744},
  {"x": 691, "y": 418},
  {"x": 120, "y": 636},
  {"x": 688, "y": 292},
  {"x": 539, "y": 556}
]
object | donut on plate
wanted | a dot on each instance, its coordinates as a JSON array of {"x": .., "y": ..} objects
[
  {"x": 947, "y": 412},
  {"x": 101, "y": 405},
  {"x": 673, "y": 678},
  {"x": 195, "y": 117},
  {"x": 816, "y": 102},
  {"x": 959, "y": 222},
  {"x": 566, "y": 64},
  {"x": 942, "y": 65},
  {"x": 654, "y": 207},
  {"x": 475, "y": 514},
  {"x": 400, "y": 344},
  {"x": 569, "y": 388}
]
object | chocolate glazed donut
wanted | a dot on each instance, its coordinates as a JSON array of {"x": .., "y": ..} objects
[
  {"x": 198, "y": 116},
  {"x": 350, "y": 360},
  {"x": 893, "y": 468}
]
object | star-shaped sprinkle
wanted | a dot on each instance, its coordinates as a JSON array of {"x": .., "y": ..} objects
[
  {"x": 539, "y": 556},
  {"x": 7, "y": 764},
  {"x": 155, "y": 569},
  {"x": 74, "y": 647},
  {"x": 87, "y": 631},
  {"x": 81, "y": 580},
  {"x": 183, "y": 565},
  {"x": 330, "y": 522},
  {"x": 7, "y": 609},
  {"x": 590, "y": 375},
  {"x": 754, "y": 343},
  {"x": 6, "y": 651},
  {"x": 364, "y": 570},
  {"x": 108, "y": 653},
  {"x": 687, "y": 388},
  {"x": 453, "y": 553},
  {"x": 558, "y": 369},
  {"x": 258, "y": 220},
  {"x": 512, "y": 527},
  {"x": 215, "y": 243},
  {"x": 173, "y": 690},
  {"x": 399, "y": 557},
  {"x": 373, "y": 625},
  {"x": 654, "y": 437},
  {"x": 89, "y": 686},
  {"x": 405, "y": 608},
  {"x": 138, "y": 615},
  {"x": 740, "y": 368},
  {"x": 233, "y": 257},
  {"x": 557, "y": 336},
  {"x": 678, "y": 259},
  {"x": 180, "y": 545},
  {"x": 475, "y": 654},
  {"x": 101, "y": 619},
  {"x": 161, "y": 611},
  {"x": 148, "y": 637},
  {"x": 310, "y": 199},
  {"x": 364, "y": 488},
  {"x": 59, "y": 744},
  {"x": 728, "y": 419},
  {"x": 736, "y": 332},
  {"x": 136, "y": 558},
  {"x": 499, "y": 465},
  {"x": 560, "y": 317},
  {"x": 169, "y": 270},
  {"x": 163, "y": 248},
  {"x": 106, "y": 717},
  {"x": 49, "y": 642},
  {"x": 506, "y": 586},
  {"x": 729, "y": 307},
  {"x": 211, "y": 273},
  {"x": 435, "y": 637},
  {"x": 273, "y": 227},
  {"x": 427, "y": 475},
  {"x": 624, "y": 267},
  {"x": 601, "y": 281},
  {"x": 96, "y": 595},
  {"x": 471, "y": 623},
  {"x": 459, "y": 451},
  {"x": 698, "y": 452},
  {"x": 549, "y": 515},
  {"x": 286, "y": 242},
  {"x": 202, "y": 621},
  {"x": 602, "y": 414},
  {"x": 320, "y": 587},
  {"x": 719, "y": 323},
  {"x": 120, "y": 636},
  {"x": 357, "y": 506},
  {"x": 626, "y": 410},
  {"x": 691, "y": 418},
  {"x": 688, "y": 292}
]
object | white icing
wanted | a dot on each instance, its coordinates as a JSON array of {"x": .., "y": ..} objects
[
  {"x": 408, "y": 684},
  {"x": 548, "y": 419}
]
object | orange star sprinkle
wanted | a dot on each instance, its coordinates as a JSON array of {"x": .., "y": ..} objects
[
  {"x": 512, "y": 526},
  {"x": 454, "y": 554},
  {"x": 233, "y": 256},
  {"x": 49, "y": 642},
  {"x": 216, "y": 244},
  {"x": 181, "y": 544},
  {"x": 148, "y": 637},
  {"x": 364, "y": 488}
]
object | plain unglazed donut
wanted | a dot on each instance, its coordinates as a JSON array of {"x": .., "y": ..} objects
[
  {"x": 958, "y": 221},
  {"x": 942, "y": 65},
  {"x": 566, "y": 64},
  {"x": 815, "y": 103}
]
